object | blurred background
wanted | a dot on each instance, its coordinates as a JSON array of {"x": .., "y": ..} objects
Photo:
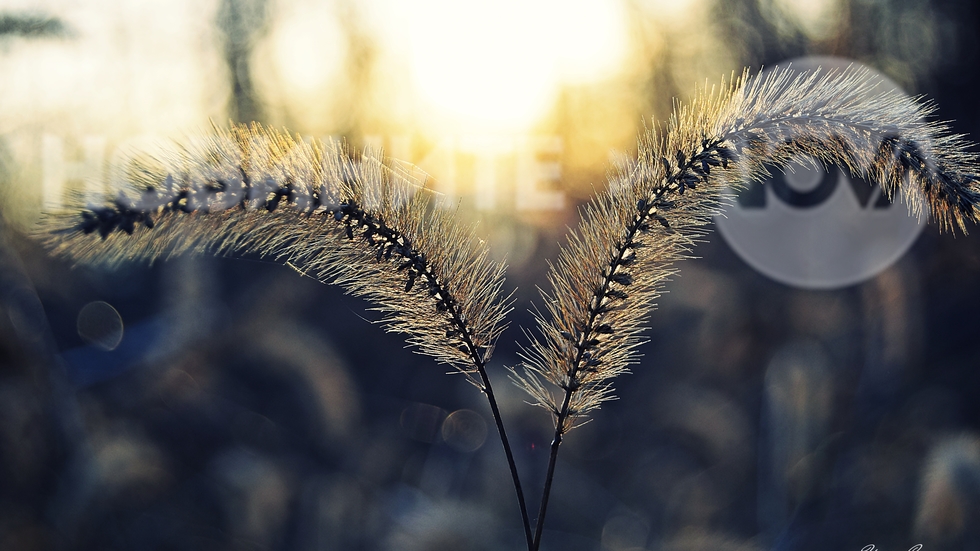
[{"x": 214, "y": 403}]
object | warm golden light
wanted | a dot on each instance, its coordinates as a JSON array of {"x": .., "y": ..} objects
[
  {"x": 309, "y": 45},
  {"x": 818, "y": 18},
  {"x": 118, "y": 73},
  {"x": 482, "y": 66},
  {"x": 122, "y": 67},
  {"x": 300, "y": 65}
]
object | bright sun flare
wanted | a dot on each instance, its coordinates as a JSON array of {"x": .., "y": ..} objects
[{"x": 496, "y": 66}]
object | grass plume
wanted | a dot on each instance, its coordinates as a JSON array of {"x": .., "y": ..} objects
[
  {"x": 343, "y": 218},
  {"x": 368, "y": 225},
  {"x": 608, "y": 277}
]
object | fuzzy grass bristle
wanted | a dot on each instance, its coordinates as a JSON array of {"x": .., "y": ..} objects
[
  {"x": 606, "y": 280},
  {"x": 340, "y": 216}
]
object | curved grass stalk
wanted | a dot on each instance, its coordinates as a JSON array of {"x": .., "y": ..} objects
[
  {"x": 606, "y": 280},
  {"x": 367, "y": 225},
  {"x": 343, "y": 218}
]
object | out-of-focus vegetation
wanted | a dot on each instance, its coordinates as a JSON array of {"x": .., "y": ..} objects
[{"x": 205, "y": 403}]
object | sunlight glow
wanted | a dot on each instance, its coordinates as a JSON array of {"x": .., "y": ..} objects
[
  {"x": 818, "y": 18},
  {"x": 498, "y": 66},
  {"x": 309, "y": 46}
]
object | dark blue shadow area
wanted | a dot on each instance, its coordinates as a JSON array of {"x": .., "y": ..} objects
[{"x": 88, "y": 365}]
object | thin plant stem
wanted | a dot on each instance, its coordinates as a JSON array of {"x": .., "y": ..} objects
[
  {"x": 549, "y": 477},
  {"x": 562, "y": 417},
  {"x": 488, "y": 391},
  {"x": 479, "y": 362}
]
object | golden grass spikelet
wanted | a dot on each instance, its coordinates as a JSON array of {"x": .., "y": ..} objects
[
  {"x": 369, "y": 225},
  {"x": 608, "y": 277},
  {"x": 341, "y": 217}
]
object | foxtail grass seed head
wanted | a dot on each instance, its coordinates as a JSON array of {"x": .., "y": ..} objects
[
  {"x": 607, "y": 278},
  {"x": 367, "y": 224},
  {"x": 337, "y": 215}
]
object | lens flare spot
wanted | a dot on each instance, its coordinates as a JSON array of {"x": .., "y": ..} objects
[
  {"x": 464, "y": 430},
  {"x": 100, "y": 325}
]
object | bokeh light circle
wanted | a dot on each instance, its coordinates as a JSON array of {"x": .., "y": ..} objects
[
  {"x": 100, "y": 325},
  {"x": 464, "y": 430}
]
